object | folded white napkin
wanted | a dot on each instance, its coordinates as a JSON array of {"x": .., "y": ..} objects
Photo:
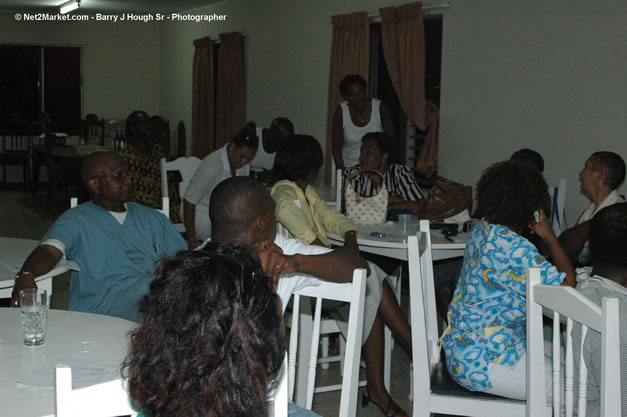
[{"x": 460, "y": 218}]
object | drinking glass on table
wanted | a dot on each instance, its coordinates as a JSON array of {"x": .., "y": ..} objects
[{"x": 34, "y": 316}]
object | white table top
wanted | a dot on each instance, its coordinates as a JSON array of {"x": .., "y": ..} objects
[
  {"x": 71, "y": 336},
  {"x": 388, "y": 240},
  {"x": 13, "y": 252}
]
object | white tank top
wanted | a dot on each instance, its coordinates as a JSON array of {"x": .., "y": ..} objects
[
  {"x": 262, "y": 159},
  {"x": 353, "y": 134}
]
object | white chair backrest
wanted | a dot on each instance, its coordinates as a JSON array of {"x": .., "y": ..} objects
[
  {"x": 165, "y": 205},
  {"x": 338, "y": 190},
  {"x": 278, "y": 394},
  {"x": 186, "y": 166},
  {"x": 102, "y": 400},
  {"x": 353, "y": 293},
  {"x": 558, "y": 206},
  {"x": 568, "y": 302},
  {"x": 423, "y": 311}
]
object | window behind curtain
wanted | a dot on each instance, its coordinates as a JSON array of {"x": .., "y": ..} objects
[{"x": 29, "y": 74}]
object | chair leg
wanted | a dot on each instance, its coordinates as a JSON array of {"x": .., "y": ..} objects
[
  {"x": 387, "y": 357},
  {"x": 342, "y": 353},
  {"x": 324, "y": 342}
]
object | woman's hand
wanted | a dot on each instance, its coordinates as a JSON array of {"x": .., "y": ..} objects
[
  {"x": 350, "y": 241},
  {"x": 543, "y": 227}
]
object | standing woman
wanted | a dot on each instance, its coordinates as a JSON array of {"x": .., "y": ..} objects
[
  {"x": 229, "y": 161},
  {"x": 356, "y": 116}
]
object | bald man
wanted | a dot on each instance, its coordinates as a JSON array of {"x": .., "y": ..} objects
[{"x": 114, "y": 242}]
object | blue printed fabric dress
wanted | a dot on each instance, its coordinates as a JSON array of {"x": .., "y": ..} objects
[{"x": 487, "y": 315}]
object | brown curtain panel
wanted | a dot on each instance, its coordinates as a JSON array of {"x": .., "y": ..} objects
[
  {"x": 403, "y": 38},
  {"x": 349, "y": 55},
  {"x": 203, "y": 99},
  {"x": 231, "y": 88},
  {"x": 427, "y": 163}
]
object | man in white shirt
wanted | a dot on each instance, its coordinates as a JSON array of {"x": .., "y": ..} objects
[{"x": 600, "y": 178}]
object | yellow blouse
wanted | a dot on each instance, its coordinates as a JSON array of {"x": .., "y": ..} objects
[{"x": 306, "y": 216}]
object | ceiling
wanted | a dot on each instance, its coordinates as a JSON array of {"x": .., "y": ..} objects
[{"x": 106, "y": 6}]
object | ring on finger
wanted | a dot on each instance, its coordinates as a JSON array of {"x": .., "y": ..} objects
[{"x": 278, "y": 266}]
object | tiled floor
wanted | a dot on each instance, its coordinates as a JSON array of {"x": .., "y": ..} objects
[{"x": 23, "y": 216}]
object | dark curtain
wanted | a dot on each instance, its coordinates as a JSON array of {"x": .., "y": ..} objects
[
  {"x": 203, "y": 99},
  {"x": 403, "y": 38},
  {"x": 231, "y": 88}
]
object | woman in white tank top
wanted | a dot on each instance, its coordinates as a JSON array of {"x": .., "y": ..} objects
[{"x": 356, "y": 116}]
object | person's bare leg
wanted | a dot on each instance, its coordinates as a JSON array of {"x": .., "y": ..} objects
[
  {"x": 372, "y": 353},
  {"x": 394, "y": 318}
]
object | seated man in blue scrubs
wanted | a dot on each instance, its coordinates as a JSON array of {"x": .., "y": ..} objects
[{"x": 114, "y": 242}]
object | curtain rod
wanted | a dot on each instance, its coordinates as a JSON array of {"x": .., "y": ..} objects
[
  {"x": 377, "y": 16},
  {"x": 218, "y": 40}
]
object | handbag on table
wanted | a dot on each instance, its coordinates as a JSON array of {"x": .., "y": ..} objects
[
  {"x": 447, "y": 198},
  {"x": 366, "y": 210}
]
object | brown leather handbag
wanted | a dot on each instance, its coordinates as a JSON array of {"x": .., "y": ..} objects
[{"x": 447, "y": 198}]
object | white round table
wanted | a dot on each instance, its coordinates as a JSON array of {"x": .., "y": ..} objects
[
  {"x": 388, "y": 240},
  {"x": 73, "y": 336}
]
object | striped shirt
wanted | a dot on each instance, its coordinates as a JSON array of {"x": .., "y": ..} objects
[
  {"x": 595, "y": 288},
  {"x": 398, "y": 178}
]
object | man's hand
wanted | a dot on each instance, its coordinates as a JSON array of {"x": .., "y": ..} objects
[{"x": 22, "y": 282}]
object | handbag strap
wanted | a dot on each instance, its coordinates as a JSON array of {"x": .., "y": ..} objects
[{"x": 361, "y": 171}]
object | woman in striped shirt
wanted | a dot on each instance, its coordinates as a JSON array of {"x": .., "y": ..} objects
[{"x": 376, "y": 151}]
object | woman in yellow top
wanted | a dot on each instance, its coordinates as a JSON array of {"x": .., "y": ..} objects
[{"x": 307, "y": 217}]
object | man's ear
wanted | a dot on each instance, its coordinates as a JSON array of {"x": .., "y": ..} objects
[
  {"x": 93, "y": 186},
  {"x": 259, "y": 225},
  {"x": 385, "y": 157}
]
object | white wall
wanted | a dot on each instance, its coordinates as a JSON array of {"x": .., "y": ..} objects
[
  {"x": 546, "y": 75},
  {"x": 550, "y": 76}
]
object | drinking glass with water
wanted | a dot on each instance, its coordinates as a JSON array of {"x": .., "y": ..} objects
[{"x": 34, "y": 316}]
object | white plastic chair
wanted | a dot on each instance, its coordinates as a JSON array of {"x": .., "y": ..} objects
[
  {"x": 433, "y": 389},
  {"x": 187, "y": 167},
  {"x": 353, "y": 293},
  {"x": 102, "y": 400},
  {"x": 558, "y": 207},
  {"x": 278, "y": 394},
  {"x": 568, "y": 302}
]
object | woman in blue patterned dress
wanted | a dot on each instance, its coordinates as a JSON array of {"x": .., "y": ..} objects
[{"x": 485, "y": 342}]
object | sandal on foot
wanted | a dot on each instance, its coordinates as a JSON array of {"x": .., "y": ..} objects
[{"x": 392, "y": 409}]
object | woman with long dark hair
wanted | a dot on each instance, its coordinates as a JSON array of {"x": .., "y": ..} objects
[{"x": 210, "y": 336}]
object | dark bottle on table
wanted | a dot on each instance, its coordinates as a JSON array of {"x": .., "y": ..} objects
[{"x": 116, "y": 141}]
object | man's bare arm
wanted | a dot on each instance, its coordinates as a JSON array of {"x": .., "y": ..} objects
[
  {"x": 40, "y": 262},
  {"x": 574, "y": 239},
  {"x": 336, "y": 266}
]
